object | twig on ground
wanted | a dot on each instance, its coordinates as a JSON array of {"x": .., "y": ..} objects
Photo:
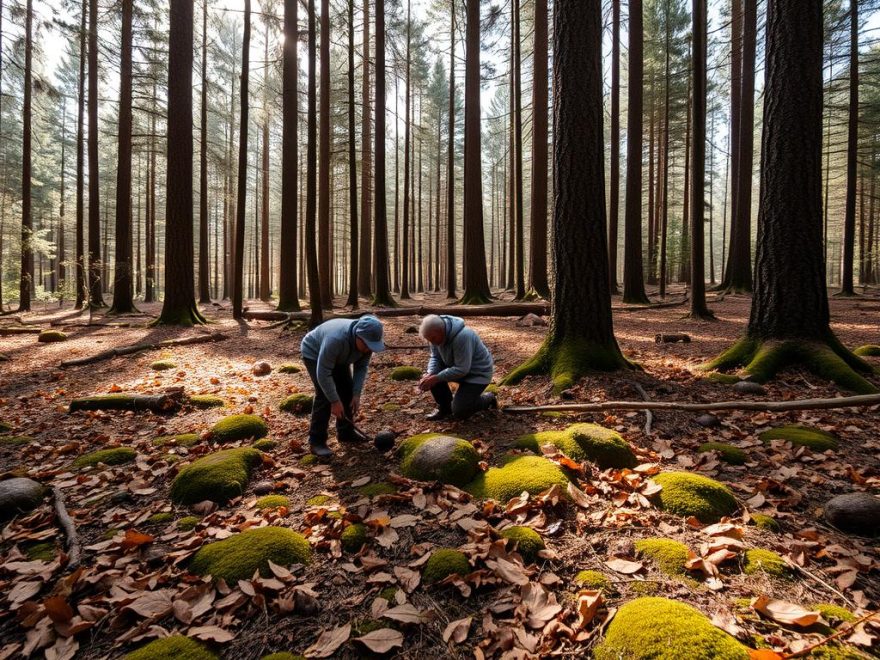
[{"x": 65, "y": 522}]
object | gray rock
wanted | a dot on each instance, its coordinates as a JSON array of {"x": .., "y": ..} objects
[
  {"x": 708, "y": 420},
  {"x": 443, "y": 458},
  {"x": 19, "y": 495},
  {"x": 748, "y": 387},
  {"x": 263, "y": 487},
  {"x": 856, "y": 513}
]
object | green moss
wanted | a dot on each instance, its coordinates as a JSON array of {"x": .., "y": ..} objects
[
  {"x": 110, "y": 533},
  {"x": 376, "y": 489},
  {"x": 188, "y": 523},
  {"x": 51, "y": 336},
  {"x": 527, "y": 541},
  {"x": 406, "y": 373},
  {"x": 15, "y": 440},
  {"x": 265, "y": 444},
  {"x": 353, "y": 537},
  {"x": 180, "y": 440},
  {"x": 239, "y": 427},
  {"x": 297, "y": 404},
  {"x": 320, "y": 500},
  {"x": 533, "y": 474},
  {"x": 162, "y": 365},
  {"x": 833, "y": 612},
  {"x": 217, "y": 477},
  {"x": 584, "y": 442},
  {"x": 670, "y": 556},
  {"x": 171, "y": 459},
  {"x": 309, "y": 459},
  {"x": 42, "y": 551},
  {"x": 289, "y": 369},
  {"x": 687, "y": 494},
  {"x": 237, "y": 557},
  {"x": 765, "y": 561},
  {"x": 161, "y": 518},
  {"x": 5, "y": 427},
  {"x": 390, "y": 407},
  {"x": 763, "y": 521},
  {"x": 175, "y": 647},
  {"x": 272, "y": 502},
  {"x": 592, "y": 580},
  {"x": 534, "y": 441},
  {"x": 834, "y": 651},
  {"x": 492, "y": 388},
  {"x": 727, "y": 453},
  {"x": 802, "y": 436},
  {"x": 868, "y": 350},
  {"x": 553, "y": 414},
  {"x": 112, "y": 456},
  {"x": 723, "y": 379},
  {"x": 388, "y": 593},
  {"x": 421, "y": 462},
  {"x": 367, "y": 626},
  {"x": 663, "y": 629},
  {"x": 444, "y": 562},
  {"x": 206, "y": 401},
  {"x": 643, "y": 588}
]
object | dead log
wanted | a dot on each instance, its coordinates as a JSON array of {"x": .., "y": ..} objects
[
  {"x": 65, "y": 522},
  {"x": 672, "y": 338},
  {"x": 859, "y": 401},
  {"x": 5, "y": 330},
  {"x": 137, "y": 348},
  {"x": 157, "y": 403}
]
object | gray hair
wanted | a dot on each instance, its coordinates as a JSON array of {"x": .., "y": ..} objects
[{"x": 429, "y": 323}]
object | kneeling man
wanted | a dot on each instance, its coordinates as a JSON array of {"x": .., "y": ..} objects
[
  {"x": 337, "y": 354},
  {"x": 458, "y": 355}
]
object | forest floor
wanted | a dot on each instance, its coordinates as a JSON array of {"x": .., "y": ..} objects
[{"x": 135, "y": 587}]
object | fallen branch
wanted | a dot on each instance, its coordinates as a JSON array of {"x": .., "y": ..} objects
[
  {"x": 858, "y": 401},
  {"x": 65, "y": 522},
  {"x": 649, "y": 416},
  {"x": 137, "y": 348},
  {"x": 7, "y": 330},
  {"x": 157, "y": 403},
  {"x": 672, "y": 338}
]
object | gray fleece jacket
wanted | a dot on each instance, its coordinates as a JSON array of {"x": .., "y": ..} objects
[
  {"x": 462, "y": 357},
  {"x": 332, "y": 344}
]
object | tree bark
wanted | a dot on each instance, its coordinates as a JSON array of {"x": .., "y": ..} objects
[
  {"x": 204, "y": 263},
  {"x": 241, "y": 203},
  {"x": 27, "y": 252},
  {"x": 80, "y": 164},
  {"x": 265, "y": 287},
  {"x": 518, "y": 152},
  {"x": 407, "y": 96},
  {"x": 352, "y": 167},
  {"x": 450, "y": 167},
  {"x": 852, "y": 154},
  {"x": 94, "y": 258},
  {"x": 365, "y": 285},
  {"x": 324, "y": 244},
  {"x": 614, "y": 193},
  {"x": 288, "y": 294}
]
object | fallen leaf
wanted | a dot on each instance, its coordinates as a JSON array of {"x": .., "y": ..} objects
[
  {"x": 382, "y": 640},
  {"x": 211, "y": 634},
  {"x": 328, "y": 642},
  {"x": 624, "y": 566},
  {"x": 458, "y": 630},
  {"x": 405, "y": 613},
  {"x": 784, "y": 612},
  {"x": 135, "y": 539},
  {"x": 58, "y": 609},
  {"x": 588, "y": 602}
]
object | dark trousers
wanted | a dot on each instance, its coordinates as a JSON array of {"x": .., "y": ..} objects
[
  {"x": 468, "y": 399},
  {"x": 342, "y": 378}
]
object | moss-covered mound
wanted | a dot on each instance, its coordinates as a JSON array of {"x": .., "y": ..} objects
[
  {"x": 353, "y": 537},
  {"x": 434, "y": 457},
  {"x": 206, "y": 401},
  {"x": 377, "y": 489},
  {"x": 527, "y": 541},
  {"x": 765, "y": 522},
  {"x": 176, "y": 647},
  {"x": 51, "y": 336},
  {"x": 297, "y": 404},
  {"x": 444, "y": 562},
  {"x": 5, "y": 427},
  {"x": 161, "y": 518},
  {"x": 532, "y": 474},
  {"x": 802, "y": 436},
  {"x": 239, "y": 427},
  {"x": 592, "y": 580},
  {"x": 272, "y": 502},
  {"x": 670, "y": 556},
  {"x": 162, "y": 365},
  {"x": 179, "y": 440},
  {"x": 687, "y": 494},
  {"x": 112, "y": 456},
  {"x": 765, "y": 561},
  {"x": 662, "y": 629},
  {"x": 868, "y": 350},
  {"x": 289, "y": 369},
  {"x": 217, "y": 477},
  {"x": 237, "y": 557},
  {"x": 585, "y": 442},
  {"x": 834, "y": 613},
  {"x": 308, "y": 459},
  {"x": 42, "y": 551},
  {"x": 727, "y": 453},
  {"x": 188, "y": 523},
  {"x": 321, "y": 500},
  {"x": 406, "y": 373},
  {"x": 834, "y": 651},
  {"x": 265, "y": 444},
  {"x": 15, "y": 440}
]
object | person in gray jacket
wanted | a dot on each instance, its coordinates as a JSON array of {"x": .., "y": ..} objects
[
  {"x": 458, "y": 355},
  {"x": 337, "y": 354}
]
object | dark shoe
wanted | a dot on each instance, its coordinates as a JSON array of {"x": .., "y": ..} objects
[
  {"x": 439, "y": 415},
  {"x": 352, "y": 437},
  {"x": 491, "y": 401},
  {"x": 320, "y": 449}
]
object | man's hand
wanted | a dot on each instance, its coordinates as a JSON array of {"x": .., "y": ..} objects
[
  {"x": 355, "y": 405},
  {"x": 337, "y": 409},
  {"x": 427, "y": 382}
]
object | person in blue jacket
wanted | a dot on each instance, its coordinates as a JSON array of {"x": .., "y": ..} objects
[
  {"x": 458, "y": 355},
  {"x": 337, "y": 354}
]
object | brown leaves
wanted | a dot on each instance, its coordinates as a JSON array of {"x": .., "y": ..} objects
[
  {"x": 405, "y": 613},
  {"x": 152, "y": 605},
  {"x": 783, "y": 612},
  {"x": 624, "y": 566},
  {"x": 458, "y": 630},
  {"x": 382, "y": 640},
  {"x": 328, "y": 642},
  {"x": 588, "y": 603},
  {"x": 135, "y": 539}
]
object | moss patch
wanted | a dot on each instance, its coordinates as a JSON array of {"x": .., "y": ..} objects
[
  {"x": 528, "y": 542},
  {"x": 309, "y": 459},
  {"x": 727, "y": 453},
  {"x": 272, "y": 502},
  {"x": 265, "y": 444},
  {"x": 320, "y": 500},
  {"x": 237, "y": 557},
  {"x": 444, "y": 562},
  {"x": 217, "y": 477},
  {"x": 376, "y": 489},
  {"x": 663, "y": 629},
  {"x": 834, "y": 651},
  {"x": 112, "y": 456},
  {"x": 239, "y": 427},
  {"x": 206, "y": 401},
  {"x": 868, "y": 350},
  {"x": 390, "y": 407},
  {"x": 592, "y": 580},
  {"x": 723, "y": 379},
  {"x": 833, "y": 612},
  {"x": 15, "y": 440},
  {"x": 353, "y": 537},
  {"x": 533, "y": 474},
  {"x": 802, "y": 436},
  {"x": 388, "y": 593},
  {"x": 161, "y": 518},
  {"x": 297, "y": 404},
  {"x": 163, "y": 365},
  {"x": 670, "y": 556},
  {"x": 180, "y": 440},
  {"x": 51, "y": 336},
  {"x": 188, "y": 523},
  {"x": 584, "y": 442},
  {"x": 687, "y": 494},
  {"x": 406, "y": 373},
  {"x": 5, "y": 427},
  {"x": 763, "y": 521},
  {"x": 765, "y": 561},
  {"x": 433, "y": 457},
  {"x": 289, "y": 369},
  {"x": 42, "y": 551},
  {"x": 176, "y": 647}
]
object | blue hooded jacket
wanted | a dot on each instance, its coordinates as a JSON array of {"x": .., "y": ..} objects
[
  {"x": 462, "y": 357},
  {"x": 332, "y": 344}
]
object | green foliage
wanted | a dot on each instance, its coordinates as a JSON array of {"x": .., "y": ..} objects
[
  {"x": 265, "y": 444},
  {"x": 723, "y": 379},
  {"x": 802, "y": 436},
  {"x": 662, "y": 629},
  {"x": 188, "y": 523},
  {"x": 670, "y": 556},
  {"x": 527, "y": 541},
  {"x": 444, "y": 562},
  {"x": 289, "y": 369},
  {"x": 239, "y": 556},
  {"x": 727, "y": 453},
  {"x": 765, "y": 561},
  {"x": 176, "y": 647},
  {"x": 217, "y": 477},
  {"x": 406, "y": 373},
  {"x": 180, "y": 440},
  {"x": 239, "y": 427},
  {"x": 161, "y": 518},
  {"x": 388, "y": 593},
  {"x": 272, "y": 502},
  {"x": 833, "y": 612},
  {"x": 430, "y": 457},
  {"x": 687, "y": 494},
  {"x": 112, "y": 456},
  {"x": 206, "y": 401},
  {"x": 376, "y": 489},
  {"x": 297, "y": 404},
  {"x": 592, "y": 580},
  {"x": 163, "y": 365},
  {"x": 51, "y": 336},
  {"x": 765, "y": 522},
  {"x": 353, "y": 537},
  {"x": 533, "y": 474},
  {"x": 308, "y": 459},
  {"x": 42, "y": 551}
]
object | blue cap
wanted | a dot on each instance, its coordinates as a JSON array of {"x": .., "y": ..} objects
[{"x": 369, "y": 329}]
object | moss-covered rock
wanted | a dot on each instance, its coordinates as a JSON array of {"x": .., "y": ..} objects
[
  {"x": 207, "y": 401},
  {"x": 289, "y": 369},
  {"x": 161, "y": 518},
  {"x": 272, "y": 502},
  {"x": 687, "y": 494},
  {"x": 321, "y": 500},
  {"x": 868, "y": 350},
  {"x": 527, "y": 541},
  {"x": 217, "y": 477},
  {"x": 592, "y": 580},
  {"x": 662, "y": 629},
  {"x": 492, "y": 388},
  {"x": 265, "y": 444},
  {"x": 727, "y": 453},
  {"x": 765, "y": 522},
  {"x": 377, "y": 489},
  {"x": 765, "y": 561},
  {"x": 834, "y": 613},
  {"x": 584, "y": 442},
  {"x": 239, "y": 556},
  {"x": 179, "y": 440},
  {"x": 433, "y": 457},
  {"x": 188, "y": 523},
  {"x": 308, "y": 459},
  {"x": 532, "y": 474},
  {"x": 670, "y": 556},
  {"x": 15, "y": 440},
  {"x": 163, "y": 365},
  {"x": 176, "y": 647},
  {"x": 802, "y": 436},
  {"x": 239, "y": 427},
  {"x": 444, "y": 562},
  {"x": 297, "y": 404},
  {"x": 111, "y": 456},
  {"x": 353, "y": 537},
  {"x": 51, "y": 336},
  {"x": 406, "y": 373}
]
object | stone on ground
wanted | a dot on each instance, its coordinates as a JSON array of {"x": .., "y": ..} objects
[
  {"x": 239, "y": 556},
  {"x": 206, "y": 401},
  {"x": 261, "y": 368},
  {"x": 19, "y": 495},
  {"x": 239, "y": 427},
  {"x": 687, "y": 494},
  {"x": 434, "y": 457},
  {"x": 532, "y": 474},
  {"x": 749, "y": 387},
  {"x": 730, "y": 454},
  {"x": 708, "y": 420},
  {"x": 51, "y": 336},
  {"x": 217, "y": 477},
  {"x": 855, "y": 513},
  {"x": 765, "y": 561}
]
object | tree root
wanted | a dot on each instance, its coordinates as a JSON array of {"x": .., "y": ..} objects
[
  {"x": 762, "y": 360},
  {"x": 65, "y": 522},
  {"x": 474, "y": 298}
]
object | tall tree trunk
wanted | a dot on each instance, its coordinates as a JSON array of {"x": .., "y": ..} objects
[
  {"x": 27, "y": 253},
  {"x": 614, "y": 193},
  {"x": 651, "y": 276},
  {"x": 365, "y": 285},
  {"x": 518, "y": 153},
  {"x": 664, "y": 223},
  {"x": 150, "y": 288},
  {"x": 437, "y": 260},
  {"x": 852, "y": 154},
  {"x": 312, "y": 269},
  {"x": 324, "y": 244},
  {"x": 288, "y": 294},
  {"x": 684, "y": 273},
  {"x": 80, "y": 164},
  {"x": 265, "y": 264},
  {"x": 352, "y": 167},
  {"x": 94, "y": 265},
  {"x": 450, "y": 167},
  {"x": 241, "y": 203},
  {"x": 407, "y": 95},
  {"x": 204, "y": 264}
]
